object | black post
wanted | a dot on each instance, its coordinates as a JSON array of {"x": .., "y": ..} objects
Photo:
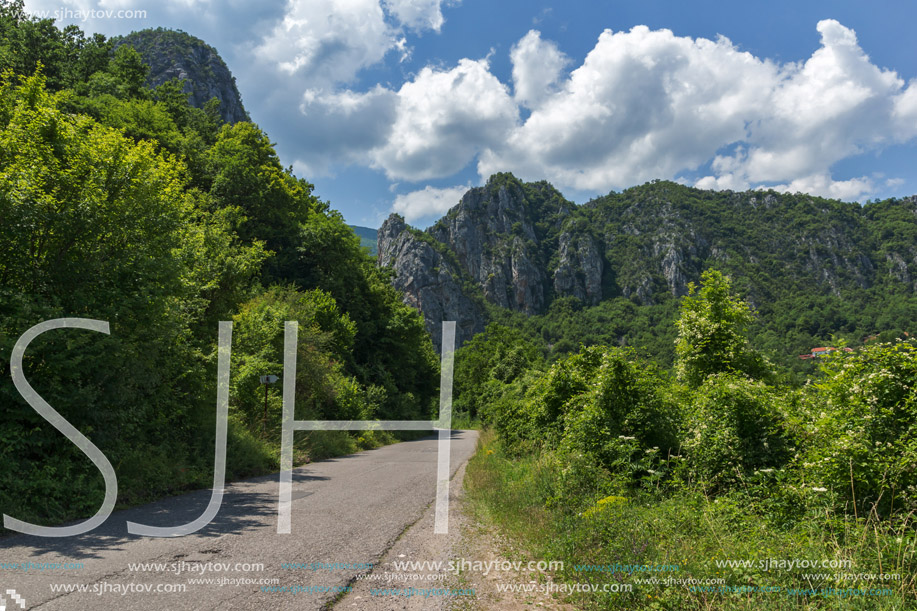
[{"x": 264, "y": 419}]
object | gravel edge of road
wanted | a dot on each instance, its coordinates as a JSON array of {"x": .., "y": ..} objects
[{"x": 466, "y": 539}]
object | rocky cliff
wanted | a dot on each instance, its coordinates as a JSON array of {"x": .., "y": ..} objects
[
  {"x": 175, "y": 54},
  {"x": 430, "y": 281},
  {"x": 521, "y": 246},
  {"x": 495, "y": 243}
]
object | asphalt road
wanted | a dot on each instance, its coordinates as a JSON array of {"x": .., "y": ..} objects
[{"x": 347, "y": 514}]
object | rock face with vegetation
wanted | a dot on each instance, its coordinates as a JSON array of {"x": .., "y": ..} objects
[
  {"x": 811, "y": 267},
  {"x": 175, "y": 54},
  {"x": 579, "y": 269},
  {"x": 431, "y": 282},
  {"x": 896, "y": 243},
  {"x": 495, "y": 242}
]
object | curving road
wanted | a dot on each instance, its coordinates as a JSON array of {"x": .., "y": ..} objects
[{"x": 347, "y": 513}]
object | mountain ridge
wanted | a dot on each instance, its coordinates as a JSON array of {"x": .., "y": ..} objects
[
  {"x": 522, "y": 248},
  {"x": 367, "y": 237}
]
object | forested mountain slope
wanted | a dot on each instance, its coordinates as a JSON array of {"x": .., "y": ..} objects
[
  {"x": 610, "y": 271},
  {"x": 367, "y": 237}
]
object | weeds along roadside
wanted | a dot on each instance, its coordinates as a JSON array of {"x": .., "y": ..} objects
[{"x": 685, "y": 528}]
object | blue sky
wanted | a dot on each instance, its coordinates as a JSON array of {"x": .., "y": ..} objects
[{"x": 403, "y": 104}]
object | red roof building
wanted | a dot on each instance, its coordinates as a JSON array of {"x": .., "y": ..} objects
[{"x": 819, "y": 352}]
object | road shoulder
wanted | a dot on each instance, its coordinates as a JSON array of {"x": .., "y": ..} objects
[{"x": 441, "y": 578}]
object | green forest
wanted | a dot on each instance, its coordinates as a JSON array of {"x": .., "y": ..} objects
[{"x": 124, "y": 203}]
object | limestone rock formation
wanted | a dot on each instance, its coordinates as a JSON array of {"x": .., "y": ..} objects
[{"x": 173, "y": 53}]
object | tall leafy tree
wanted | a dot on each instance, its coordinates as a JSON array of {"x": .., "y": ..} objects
[
  {"x": 500, "y": 354},
  {"x": 247, "y": 174},
  {"x": 713, "y": 332},
  {"x": 314, "y": 248},
  {"x": 127, "y": 65},
  {"x": 98, "y": 226}
]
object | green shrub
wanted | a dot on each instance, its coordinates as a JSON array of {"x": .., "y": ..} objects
[
  {"x": 506, "y": 407},
  {"x": 734, "y": 427},
  {"x": 323, "y": 338},
  {"x": 549, "y": 396},
  {"x": 499, "y": 354},
  {"x": 713, "y": 333},
  {"x": 621, "y": 404},
  {"x": 861, "y": 437}
]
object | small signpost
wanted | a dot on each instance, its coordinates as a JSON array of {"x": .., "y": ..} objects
[{"x": 266, "y": 380}]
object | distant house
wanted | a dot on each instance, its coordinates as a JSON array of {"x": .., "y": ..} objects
[{"x": 819, "y": 352}]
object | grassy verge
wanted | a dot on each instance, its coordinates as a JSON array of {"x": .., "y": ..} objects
[{"x": 684, "y": 535}]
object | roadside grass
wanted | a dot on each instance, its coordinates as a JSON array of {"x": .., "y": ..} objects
[
  {"x": 463, "y": 421},
  {"x": 251, "y": 454},
  {"x": 683, "y": 528}
]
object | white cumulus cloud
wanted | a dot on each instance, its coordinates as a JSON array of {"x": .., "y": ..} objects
[
  {"x": 648, "y": 104},
  {"x": 644, "y": 104},
  {"x": 825, "y": 186},
  {"x": 445, "y": 118},
  {"x": 834, "y": 105},
  {"x": 433, "y": 126},
  {"x": 328, "y": 41},
  {"x": 427, "y": 202},
  {"x": 537, "y": 66},
  {"x": 417, "y": 14},
  {"x": 342, "y": 126},
  {"x": 325, "y": 42}
]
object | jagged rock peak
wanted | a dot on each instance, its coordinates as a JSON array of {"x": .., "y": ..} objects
[
  {"x": 429, "y": 280},
  {"x": 499, "y": 244},
  {"x": 493, "y": 235},
  {"x": 387, "y": 236},
  {"x": 176, "y": 54}
]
